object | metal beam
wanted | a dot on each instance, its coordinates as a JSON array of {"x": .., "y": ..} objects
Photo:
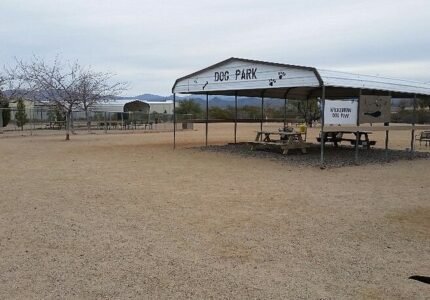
[
  {"x": 357, "y": 134},
  {"x": 413, "y": 124},
  {"x": 207, "y": 118},
  {"x": 285, "y": 112},
  {"x": 174, "y": 120},
  {"x": 322, "y": 166},
  {"x": 387, "y": 137},
  {"x": 262, "y": 114},
  {"x": 285, "y": 105},
  {"x": 235, "y": 117}
]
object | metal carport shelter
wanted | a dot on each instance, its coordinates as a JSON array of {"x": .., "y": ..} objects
[{"x": 252, "y": 78}]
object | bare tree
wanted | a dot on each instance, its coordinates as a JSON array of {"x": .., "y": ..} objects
[
  {"x": 69, "y": 86},
  {"x": 97, "y": 87},
  {"x": 57, "y": 83},
  {"x": 12, "y": 86}
]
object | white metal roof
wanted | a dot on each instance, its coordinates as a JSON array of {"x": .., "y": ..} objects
[
  {"x": 256, "y": 78},
  {"x": 350, "y": 80}
]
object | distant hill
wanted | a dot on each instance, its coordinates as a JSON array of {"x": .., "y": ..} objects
[
  {"x": 147, "y": 97},
  {"x": 220, "y": 101},
  {"x": 224, "y": 101}
]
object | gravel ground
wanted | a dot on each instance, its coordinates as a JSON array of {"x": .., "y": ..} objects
[
  {"x": 123, "y": 216},
  {"x": 333, "y": 157}
]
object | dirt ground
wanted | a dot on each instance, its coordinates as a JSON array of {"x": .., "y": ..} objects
[{"x": 121, "y": 216}]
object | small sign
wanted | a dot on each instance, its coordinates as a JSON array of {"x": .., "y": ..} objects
[
  {"x": 375, "y": 109},
  {"x": 340, "y": 112}
]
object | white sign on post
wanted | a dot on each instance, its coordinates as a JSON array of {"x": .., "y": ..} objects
[{"x": 340, "y": 112}]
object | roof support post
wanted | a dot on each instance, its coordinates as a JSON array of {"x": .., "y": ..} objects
[
  {"x": 357, "y": 134},
  {"x": 285, "y": 106},
  {"x": 285, "y": 112},
  {"x": 413, "y": 125},
  {"x": 207, "y": 118},
  {"x": 262, "y": 115},
  {"x": 387, "y": 138},
  {"x": 235, "y": 117},
  {"x": 174, "y": 121},
  {"x": 322, "y": 166}
]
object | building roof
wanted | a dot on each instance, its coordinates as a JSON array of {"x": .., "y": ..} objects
[
  {"x": 118, "y": 105},
  {"x": 253, "y": 78}
]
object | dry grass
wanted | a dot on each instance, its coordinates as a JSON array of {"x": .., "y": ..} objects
[{"x": 124, "y": 216}]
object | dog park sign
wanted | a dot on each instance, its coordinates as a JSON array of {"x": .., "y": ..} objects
[{"x": 340, "y": 112}]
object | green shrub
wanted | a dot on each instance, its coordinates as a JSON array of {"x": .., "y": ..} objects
[
  {"x": 21, "y": 115},
  {"x": 5, "y": 110}
]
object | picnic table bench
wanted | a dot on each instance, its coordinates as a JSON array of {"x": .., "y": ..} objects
[
  {"x": 55, "y": 124},
  {"x": 337, "y": 137},
  {"x": 424, "y": 136},
  {"x": 287, "y": 141}
]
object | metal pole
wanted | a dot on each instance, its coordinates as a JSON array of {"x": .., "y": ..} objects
[
  {"x": 285, "y": 112},
  {"x": 105, "y": 122},
  {"x": 174, "y": 120},
  {"x": 386, "y": 141},
  {"x": 207, "y": 118},
  {"x": 322, "y": 126},
  {"x": 262, "y": 115},
  {"x": 235, "y": 117},
  {"x": 357, "y": 134},
  {"x": 387, "y": 137},
  {"x": 1, "y": 120},
  {"x": 32, "y": 122},
  {"x": 413, "y": 124}
]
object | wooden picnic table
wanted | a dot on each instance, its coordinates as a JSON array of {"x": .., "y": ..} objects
[
  {"x": 336, "y": 137},
  {"x": 287, "y": 141}
]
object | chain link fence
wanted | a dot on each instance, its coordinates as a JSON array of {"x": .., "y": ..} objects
[{"x": 35, "y": 120}]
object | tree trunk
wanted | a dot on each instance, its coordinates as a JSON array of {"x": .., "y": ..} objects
[
  {"x": 87, "y": 116},
  {"x": 68, "y": 126},
  {"x": 72, "y": 126}
]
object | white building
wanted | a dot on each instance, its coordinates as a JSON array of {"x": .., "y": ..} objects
[{"x": 162, "y": 107}]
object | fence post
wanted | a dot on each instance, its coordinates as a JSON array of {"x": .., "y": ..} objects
[
  {"x": 32, "y": 122},
  {"x": 105, "y": 123},
  {"x": 1, "y": 120}
]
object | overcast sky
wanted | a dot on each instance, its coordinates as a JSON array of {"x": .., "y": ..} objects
[{"x": 151, "y": 43}]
